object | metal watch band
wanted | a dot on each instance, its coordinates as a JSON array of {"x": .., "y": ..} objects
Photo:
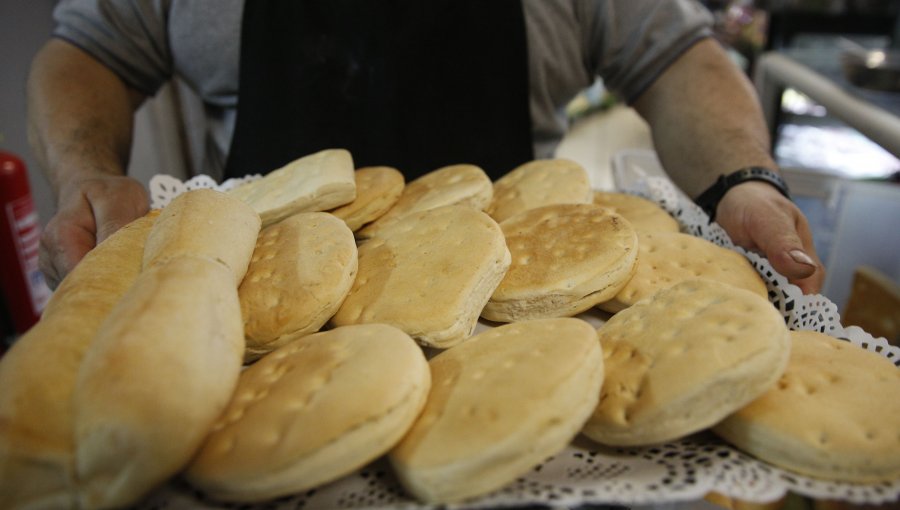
[{"x": 709, "y": 199}]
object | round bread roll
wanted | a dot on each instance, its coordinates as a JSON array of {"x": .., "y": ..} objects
[
  {"x": 539, "y": 183},
  {"x": 317, "y": 182},
  {"x": 300, "y": 273},
  {"x": 643, "y": 214},
  {"x": 450, "y": 185},
  {"x": 377, "y": 190},
  {"x": 429, "y": 274},
  {"x": 682, "y": 360},
  {"x": 500, "y": 404},
  {"x": 312, "y": 411},
  {"x": 566, "y": 258},
  {"x": 666, "y": 258},
  {"x": 834, "y": 414}
]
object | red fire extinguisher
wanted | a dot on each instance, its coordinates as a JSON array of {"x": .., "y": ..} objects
[{"x": 25, "y": 291}]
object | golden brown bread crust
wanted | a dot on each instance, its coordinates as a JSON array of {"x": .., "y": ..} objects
[
  {"x": 37, "y": 375},
  {"x": 834, "y": 414},
  {"x": 208, "y": 223},
  {"x": 489, "y": 419},
  {"x": 643, "y": 214},
  {"x": 377, "y": 190},
  {"x": 317, "y": 182},
  {"x": 166, "y": 359},
  {"x": 466, "y": 185},
  {"x": 666, "y": 258},
  {"x": 312, "y": 411},
  {"x": 683, "y": 359},
  {"x": 300, "y": 273},
  {"x": 428, "y": 274},
  {"x": 160, "y": 371},
  {"x": 566, "y": 258},
  {"x": 539, "y": 183}
]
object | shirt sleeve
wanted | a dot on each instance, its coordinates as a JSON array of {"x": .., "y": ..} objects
[
  {"x": 128, "y": 36},
  {"x": 629, "y": 43}
]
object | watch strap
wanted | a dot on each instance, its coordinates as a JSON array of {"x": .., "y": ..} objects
[{"x": 709, "y": 199}]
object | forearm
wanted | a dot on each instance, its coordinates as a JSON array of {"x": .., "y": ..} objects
[
  {"x": 79, "y": 126},
  {"x": 80, "y": 116},
  {"x": 705, "y": 119}
]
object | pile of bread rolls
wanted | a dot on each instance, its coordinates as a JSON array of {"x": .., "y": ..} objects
[{"x": 262, "y": 342}]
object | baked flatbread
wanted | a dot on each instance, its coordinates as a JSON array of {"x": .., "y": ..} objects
[
  {"x": 300, "y": 273},
  {"x": 643, "y": 214},
  {"x": 666, "y": 258},
  {"x": 377, "y": 190},
  {"x": 37, "y": 375},
  {"x": 208, "y": 223},
  {"x": 682, "y": 360},
  {"x": 834, "y": 414},
  {"x": 500, "y": 404},
  {"x": 450, "y": 185},
  {"x": 317, "y": 182},
  {"x": 313, "y": 411},
  {"x": 566, "y": 258},
  {"x": 538, "y": 183},
  {"x": 160, "y": 371},
  {"x": 430, "y": 275}
]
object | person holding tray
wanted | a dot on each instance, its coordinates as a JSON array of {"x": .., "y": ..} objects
[{"x": 414, "y": 85}]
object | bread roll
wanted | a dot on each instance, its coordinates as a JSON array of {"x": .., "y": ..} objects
[
  {"x": 566, "y": 258},
  {"x": 500, "y": 403},
  {"x": 539, "y": 183},
  {"x": 37, "y": 375},
  {"x": 378, "y": 188},
  {"x": 682, "y": 360},
  {"x": 207, "y": 223},
  {"x": 666, "y": 258},
  {"x": 300, "y": 273},
  {"x": 834, "y": 414},
  {"x": 317, "y": 182},
  {"x": 466, "y": 185},
  {"x": 161, "y": 370},
  {"x": 429, "y": 274},
  {"x": 312, "y": 411},
  {"x": 643, "y": 214}
]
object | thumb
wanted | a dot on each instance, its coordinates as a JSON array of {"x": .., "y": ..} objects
[
  {"x": 115, "y": 203},
  {"x": 789, "y": 248}
]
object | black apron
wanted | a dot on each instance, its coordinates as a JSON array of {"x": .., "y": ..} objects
[{"x": 413, "y": 84}]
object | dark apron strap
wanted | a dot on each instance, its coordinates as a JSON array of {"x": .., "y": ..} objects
[{"x": 413, "y": 84}]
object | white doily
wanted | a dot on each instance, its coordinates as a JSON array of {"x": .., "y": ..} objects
[
  {"x": 801, "y": 311},
  {"x": 163, "y": 188},
  {"x": 586, "y": 473}
]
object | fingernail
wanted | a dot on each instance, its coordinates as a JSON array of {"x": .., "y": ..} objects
[{"x": 801, "y": 257}]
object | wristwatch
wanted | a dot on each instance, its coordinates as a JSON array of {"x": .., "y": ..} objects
[{"x": 709, "y": 199}]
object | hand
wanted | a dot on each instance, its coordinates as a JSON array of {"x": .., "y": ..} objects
[
  {"x": 760, "y": 219},
  {"x": 90, "y": 210}
]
